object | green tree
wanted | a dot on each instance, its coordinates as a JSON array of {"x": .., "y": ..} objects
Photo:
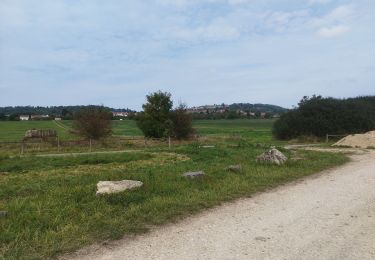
[
  {"x": 182, "y": 122},
  {"x": 2, "y": 116},
  {"x": 93, "y": 123},
  {"x": 155, "y": 120}
]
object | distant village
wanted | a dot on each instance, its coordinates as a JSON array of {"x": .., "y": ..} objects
[{"x": 223, "y": 109}]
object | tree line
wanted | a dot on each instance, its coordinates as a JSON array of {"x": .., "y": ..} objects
[
  {"x": 318, "y": 116},
  {"x": 12, "y": 113}
]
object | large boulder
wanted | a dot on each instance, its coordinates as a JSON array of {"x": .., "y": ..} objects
[
  {"x": 272, "y": 156},
  {"x": 108, "y": 187}
]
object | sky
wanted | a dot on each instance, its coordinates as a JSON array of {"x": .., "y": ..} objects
[{"x": 115, "y": 52}]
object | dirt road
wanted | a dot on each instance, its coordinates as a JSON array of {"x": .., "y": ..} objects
[{"x": 327, "y": 216}]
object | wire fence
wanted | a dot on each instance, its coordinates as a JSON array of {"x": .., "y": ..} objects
[{"x": 55, "y": 145}]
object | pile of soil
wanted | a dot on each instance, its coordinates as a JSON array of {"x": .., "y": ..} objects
[{"x": 366, "y": 140}]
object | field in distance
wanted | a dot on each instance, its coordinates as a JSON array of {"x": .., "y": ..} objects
[{"x": 257, "y": 129}]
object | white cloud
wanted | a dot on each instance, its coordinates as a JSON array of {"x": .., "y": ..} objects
[
  {"x": 319, "y": 1},
  {"x": 212, "y": 32},
  {"x": 341, "y": 12},
  {"x": 237, "y": 2},
  {"x": 12, "y": 14},
  {"x": 334, "y": 31}
]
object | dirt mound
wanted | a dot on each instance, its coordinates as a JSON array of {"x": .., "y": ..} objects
[{"x": 359, "y": 140}]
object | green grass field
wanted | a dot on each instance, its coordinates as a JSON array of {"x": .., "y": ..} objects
[
  {"x": 51, "y": 202},
  {"x": 256, "y": 129},
  {"x": 15, "y": 130}
]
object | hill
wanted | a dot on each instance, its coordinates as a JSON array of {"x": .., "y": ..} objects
[{"x": 267, "y": 108}]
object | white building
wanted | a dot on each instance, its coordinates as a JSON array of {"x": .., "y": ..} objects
[
  {"x": 120, "y": 114},
  {"x": 24, "y": 117}
]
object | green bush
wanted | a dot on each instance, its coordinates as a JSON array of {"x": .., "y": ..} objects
[
  {"x": 158, "y": 120},
  {"x": 154, "y": 120},
  {"x": 318, "y": 116}
]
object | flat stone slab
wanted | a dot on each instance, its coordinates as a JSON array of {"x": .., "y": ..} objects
[
  {"x": 234, "y": 168},
  {"x": 109, "y": 187},
  {"x": 193, "y": 174}
]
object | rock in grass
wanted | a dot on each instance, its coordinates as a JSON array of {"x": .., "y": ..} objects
[
  {"x": 3, "y": 213},
  {"x": 193, "y": 174},
  {"x": 109, "y": 187},
  {"x": 272, "y": 156},
  {"x": 208, "y": 146},
  {"x": 234, "y": 168}
]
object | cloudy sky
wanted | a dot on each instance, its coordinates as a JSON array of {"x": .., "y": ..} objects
[{"x": 114, "y": 52}]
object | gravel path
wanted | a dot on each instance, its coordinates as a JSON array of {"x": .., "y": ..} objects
[{"x": 326, "y": 216}]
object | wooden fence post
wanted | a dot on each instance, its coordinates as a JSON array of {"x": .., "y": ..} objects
[
  {"x": 90, "y": 145},
  {"x": 326, "y": 138},
  {"x": 169, "y": 142},
  {"x": 22, "y": 148},
  {"x": 58, "y": 144}
]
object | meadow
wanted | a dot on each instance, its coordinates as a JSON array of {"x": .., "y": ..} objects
[
  {"x": 256, "y": 128},
  {"x": 126, "y": 135},
  {"x": 53, "y": 209}
]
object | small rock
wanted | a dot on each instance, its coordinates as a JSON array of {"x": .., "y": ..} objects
[
  {"x": 193, "y": 174},
  {"x": 234, "y": 168},
  {"x": 263, "y": 239},
  {"x": 272, "y": 156},
  {"x": 108, "y": 187},
  {"x": 208, "y": 146},
  {"x": 3, "y": 213}
]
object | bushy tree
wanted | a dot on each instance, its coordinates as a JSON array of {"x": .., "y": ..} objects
[
  {"x": 158, "y": 120},
  {"x": 182, "y": 122},
  {"x": 155, "y": 120},
  {"x": 93, "y": 123}
]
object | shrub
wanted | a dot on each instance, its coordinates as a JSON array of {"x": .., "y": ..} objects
[
  {"x": 317, "y": 116},
  {"x": 93, "y": 123},
  {"x": 182, "y": 123}
]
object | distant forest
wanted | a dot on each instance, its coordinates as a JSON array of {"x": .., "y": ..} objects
[{"x": 66, "y": 112}]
